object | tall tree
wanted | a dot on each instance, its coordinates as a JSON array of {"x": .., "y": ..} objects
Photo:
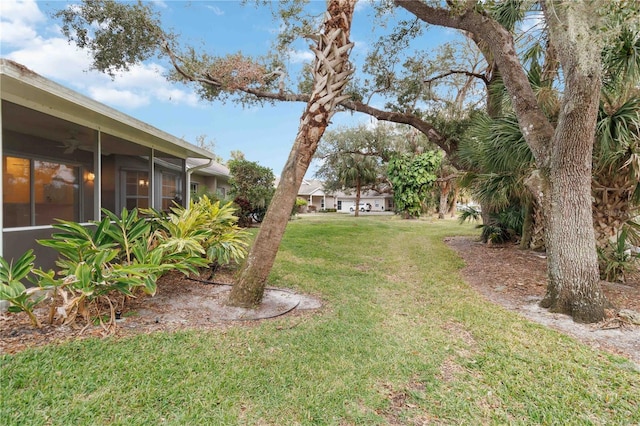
[
  {"x": 252, "y": 188},
  {"x": 331, "y": 72},
  {"x": 356, "y": 170},
  {"x": 353, "y": 159},
  {"x": 562, "y": 151}
]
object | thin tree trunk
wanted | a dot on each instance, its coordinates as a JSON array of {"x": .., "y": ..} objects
[
  {"x": 444, "y": 199},
  {"x": 454, "y": 202},
  {"x": 537, "y": 231},
  {"x": 357, "y": 208},
  {"x": 331, "y": 74},
  {"x": 527, "y": 226}
]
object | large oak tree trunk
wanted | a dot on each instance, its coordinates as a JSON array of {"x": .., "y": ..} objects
[
  {"x": 563, "y": 154},
  {"x": 331, "y": 74},
  {"x": 574, "y": 281}
]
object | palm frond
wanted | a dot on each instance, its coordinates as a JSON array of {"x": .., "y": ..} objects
[{"x": 618, "y": 135}]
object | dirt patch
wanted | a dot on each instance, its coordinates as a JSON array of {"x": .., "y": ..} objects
[
  {"x": 179, "y": 304},
  {"x": 516, "y": 279}
]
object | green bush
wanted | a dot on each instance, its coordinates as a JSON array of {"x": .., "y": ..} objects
[
  {"x": 13, "y": 290},
  {"x": 206, "y": 230},
  {"x": 113, "y": 256},
  {"x": 616, "y": 260},
  {"x": 122, "y": 255}
]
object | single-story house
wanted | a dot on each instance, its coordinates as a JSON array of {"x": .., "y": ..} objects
[
  {"x": 209, "y": 177},
  {"x": 312, "y": 191},
  {"x": 66, "y": 156}
]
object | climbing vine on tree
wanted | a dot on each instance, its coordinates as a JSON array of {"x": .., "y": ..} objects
[{"x": 413, "y": 177}]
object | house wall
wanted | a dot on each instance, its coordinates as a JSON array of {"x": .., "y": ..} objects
[
  {"x": 315, "y": 202},
  {"x": 19, "y": 240},
  {"x": 378, "y": 204},
  {"x": 213, "y": 184},
  {"x": 51, "y": 140}
]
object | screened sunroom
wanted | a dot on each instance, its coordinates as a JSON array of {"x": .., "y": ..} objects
[{"x": 65, "y": 156}]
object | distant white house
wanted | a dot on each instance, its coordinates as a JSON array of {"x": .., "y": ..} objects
[{"x": 313, "y": 192}]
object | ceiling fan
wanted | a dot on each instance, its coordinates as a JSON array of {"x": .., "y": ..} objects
[{"x": 71, "y": 143}]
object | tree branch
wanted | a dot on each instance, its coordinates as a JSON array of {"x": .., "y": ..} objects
[
  {"x": 452, "y": 72},
  {"x": 448, "y": 146},
  {"x": 190, "y": 77},
  {"x": 535, "y": 126}
]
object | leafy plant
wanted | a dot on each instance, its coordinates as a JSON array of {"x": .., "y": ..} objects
[
  {"x": 13, "y": 290},
  {"x": 617, "y": 259},
  {"x": 469, "y": 213},
  {"x": 112, "y": 256},
  {"x": 251, "y": 188},
  {"x": 412, "y": 177},
  {"x": 504, "y": 226},
  {"x": 205, "y": 233},
  {"x": 300, "y": 202}
]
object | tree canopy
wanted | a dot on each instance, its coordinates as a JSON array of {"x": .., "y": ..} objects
[
  {"x": 252, "y": 188},
  {"x": 412, "y": 178}
]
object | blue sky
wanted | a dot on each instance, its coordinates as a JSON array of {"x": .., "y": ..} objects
[{"x": 264, "y": 134}]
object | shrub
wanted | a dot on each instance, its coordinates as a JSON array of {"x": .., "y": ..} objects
[
  {"x": 617, "y": 259},
  {"x": 13, "y": 290},
  {"x": 298, "y": 206},
  {"x": 95, "y": 261},
  {"x": 206, "y": 229},
  {"x": 123, "y": 254}
]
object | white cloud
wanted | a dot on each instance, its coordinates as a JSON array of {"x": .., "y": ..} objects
[
  {"x": 149, "y": 81},
  {"x": 21, "y": 10},
  {"x": 17, "y": 21},
  {"x": 216, "y": 10},
  {"x": 362, "y": 5},
  {"x": 360, "y": 46},
  {"x": 299, "y": 56},
  {"x": 58, "y": 60},
  {"x": 53, "y": 58},
  {"x": 118, "y": 98},
  {"x": 160, "y": 3},
  {"x": 371, "y": 123}
]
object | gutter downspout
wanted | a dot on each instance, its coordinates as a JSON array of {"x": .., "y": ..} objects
[{"x": 189, "y": 171}]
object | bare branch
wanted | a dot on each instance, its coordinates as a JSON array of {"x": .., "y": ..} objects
[
  {"x": 174, "y": 61},
  {"x": 452, "y": 72}
]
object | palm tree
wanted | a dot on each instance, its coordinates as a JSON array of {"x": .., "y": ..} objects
[
  {"x": 500, "y": 162},
  {"x": 357, "y": 171},
  {"x": 616, "y": 179}
]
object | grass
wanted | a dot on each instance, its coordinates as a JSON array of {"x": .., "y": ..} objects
[{"x": 401, "y": 340}]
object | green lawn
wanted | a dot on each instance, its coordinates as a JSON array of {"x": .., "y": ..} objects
[{"x": 401, "y": 340}]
